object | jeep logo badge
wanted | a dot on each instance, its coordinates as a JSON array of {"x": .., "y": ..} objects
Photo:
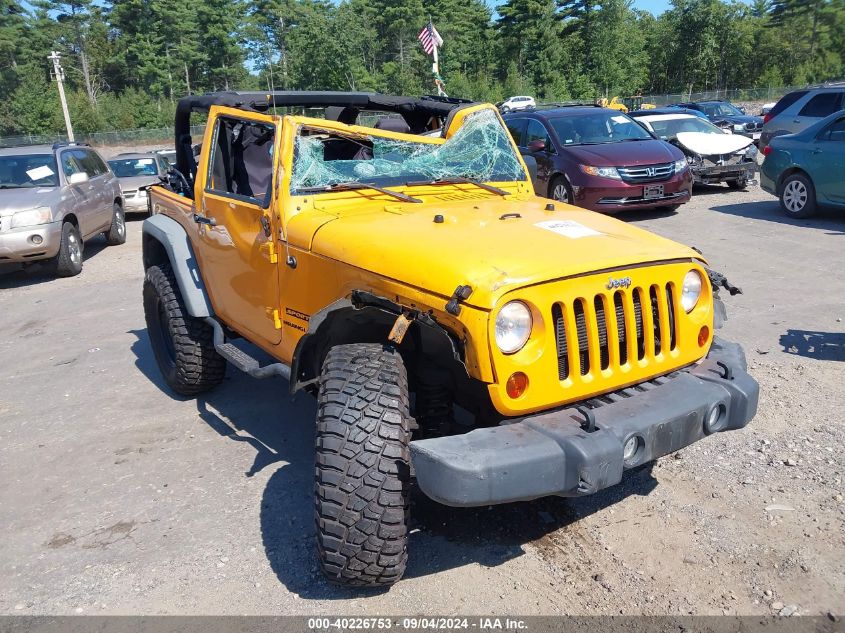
[{"x": 624, "y": 282}]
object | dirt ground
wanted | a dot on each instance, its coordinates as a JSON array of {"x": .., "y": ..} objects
[{"x": 118, "y": 498}]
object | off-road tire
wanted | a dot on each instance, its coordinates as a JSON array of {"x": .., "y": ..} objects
[
  {"x": 116, "y": 234},
  {"x": 68, "y": 261},
  {"x": 183, "y": 345},
  {"x": 799, "y": 182},
  {"x": 739, "y": 183},
  {"x": 362, "y": 466}
]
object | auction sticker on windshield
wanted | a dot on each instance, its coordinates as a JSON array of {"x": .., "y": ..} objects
[
  {"x": 39, "y": 173},
  {"x": 567, "y": 228}
]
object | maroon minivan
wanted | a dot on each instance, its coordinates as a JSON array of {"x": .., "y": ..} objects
[{"x": 600, "y": 159}]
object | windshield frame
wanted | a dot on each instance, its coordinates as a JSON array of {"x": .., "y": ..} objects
[
  {"x": 609, "y": 115},
  {"x": 51, "y": 163}
]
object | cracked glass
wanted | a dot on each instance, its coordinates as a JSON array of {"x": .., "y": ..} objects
[{"x": 479, "y": 150}]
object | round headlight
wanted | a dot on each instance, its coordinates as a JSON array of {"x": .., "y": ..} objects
[
  {"x": 691, "y": 290},
  {"x": 513, "y": 327}
]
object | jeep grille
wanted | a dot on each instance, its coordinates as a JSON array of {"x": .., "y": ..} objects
[{"x": 605, "y": 333}]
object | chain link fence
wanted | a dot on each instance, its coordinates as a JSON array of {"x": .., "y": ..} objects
[
  {"x": 116, "y": 138},
  {"x": 763, "y": 95}
]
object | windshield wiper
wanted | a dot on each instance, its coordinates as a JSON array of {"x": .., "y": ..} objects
[
  {"x": 354, "y": 185},
  {"x": 459, "y": 180},
  {"x": 11, "y": 186}
]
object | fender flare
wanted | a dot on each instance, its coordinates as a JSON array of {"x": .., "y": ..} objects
[
  {"x": 164, "y": 237},
  {"x": 361, "y": 318}
]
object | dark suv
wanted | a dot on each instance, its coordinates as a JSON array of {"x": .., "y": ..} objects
[
  {"x": 600, "y": 159},
  {"x": 728, "y": 116}
]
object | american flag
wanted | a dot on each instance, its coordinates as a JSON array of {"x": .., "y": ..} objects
[{"x": 429, "y": 38}]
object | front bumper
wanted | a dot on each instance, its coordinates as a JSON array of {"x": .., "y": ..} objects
[
  {"x": 138, "y": 203},
  {"x": 722, "y": 173},
  {"x": 553, "y": 454},
  {"x": 18, "y": 245},
  {"x": 611, "y": 196}
]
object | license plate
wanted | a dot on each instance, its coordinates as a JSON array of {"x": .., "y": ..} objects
[
  {"x": 652, "y": 191},
  {"x": 756, "y": 136}
]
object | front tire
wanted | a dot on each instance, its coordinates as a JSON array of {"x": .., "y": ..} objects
[
  {"x": 559, "y": 190},
  {"x": 68, "y": 261},
  {"x": 798, "y": 196},
  {"x": 739, "y": 183},
  {"x": 117, "y": 231},
  {"x": 362, "y": 466},
  {"x": 183, "y": 345}
]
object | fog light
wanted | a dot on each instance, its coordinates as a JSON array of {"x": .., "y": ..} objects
[
  {"x": 630, "y": 448},
  {"x": 703, "y": 335},
  {"x": 36, "y": 239},
  {"x": 517, "y": 384}
]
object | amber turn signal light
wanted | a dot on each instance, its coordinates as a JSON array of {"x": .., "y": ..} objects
[
  {"x": 703, "y": 335},
  {"x": 517, "y": 384}
]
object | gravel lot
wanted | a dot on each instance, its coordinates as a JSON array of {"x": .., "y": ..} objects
[{"x": 118, "y": 498}]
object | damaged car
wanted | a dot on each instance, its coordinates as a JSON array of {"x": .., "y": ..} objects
[{"x": 714, "y": 156}]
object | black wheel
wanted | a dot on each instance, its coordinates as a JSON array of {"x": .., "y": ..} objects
[
  {"x": 117, "y": 231},
  {"x": 183, "y": 345},
  {"x": 798, "y": 196},
  {"x": 739, "y": 183},
  {"x": 362, "y": 466},
  {"x": 559, "y": 190},
  {"x": 68, "y": 261}
]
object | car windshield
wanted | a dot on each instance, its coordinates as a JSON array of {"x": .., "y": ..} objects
[
  {"x": 129, "y": 167},
  {"x": 669, "y": 128},
  {"x": 596, "y": 128},
  {"x": 720, "y": 109},
  {"x": 28, "y": 170},
  {"x": 480, "y": 150}
]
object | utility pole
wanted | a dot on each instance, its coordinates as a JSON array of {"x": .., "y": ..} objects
[{"x": 59, "y": 76}]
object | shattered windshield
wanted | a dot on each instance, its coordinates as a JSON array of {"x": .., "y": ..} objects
[
  {"x": 479, "y": 150},
  {"x": 669, "y": 128}
]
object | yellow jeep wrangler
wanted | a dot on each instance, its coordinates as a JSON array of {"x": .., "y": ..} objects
[{"x": 393, "y": 260}]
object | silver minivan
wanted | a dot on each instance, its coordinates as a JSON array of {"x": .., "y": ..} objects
[
  {"x": 800, "y": 109},
  {"x": 53, "y": 199}
]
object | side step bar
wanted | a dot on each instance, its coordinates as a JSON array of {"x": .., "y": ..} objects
[{"x": 241, "y": 359}]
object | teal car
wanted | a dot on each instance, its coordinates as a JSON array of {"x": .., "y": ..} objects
[{"x": 806, "y": 170}]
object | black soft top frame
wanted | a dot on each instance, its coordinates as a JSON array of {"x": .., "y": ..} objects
[{"x": 340, "y": 106}]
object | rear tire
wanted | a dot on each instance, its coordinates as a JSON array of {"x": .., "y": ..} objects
[
  {"x": 739, "y": 183},
  {"x": 798, "y": 196},
  {"x": 362, "y": 466},
  {"x": 183, "y": 345},
  {"x": 68, "y": 261},
  {"x": 117, "y": 231}
]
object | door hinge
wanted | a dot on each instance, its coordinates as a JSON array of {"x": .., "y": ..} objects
[
  {"x": 277, "y": 319},
  {"x": 271, "y": 252}
]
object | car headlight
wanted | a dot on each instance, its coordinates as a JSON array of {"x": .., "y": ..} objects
[
  {"x": 751, "y": 152},
  {"x": 513, "y": 327},
  {"x": 738, "y": 127},
  {"x": 32, "y": 217},
  {"x": 680, "y": 165},
  {"x": 691, "y": 290},
  {"x": 604, "y": 172}
]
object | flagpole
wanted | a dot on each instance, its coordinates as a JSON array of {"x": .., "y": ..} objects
[{"x": 435, "y": 67}]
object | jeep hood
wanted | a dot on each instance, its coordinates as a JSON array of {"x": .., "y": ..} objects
[{"x": 493, "y": 245}]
